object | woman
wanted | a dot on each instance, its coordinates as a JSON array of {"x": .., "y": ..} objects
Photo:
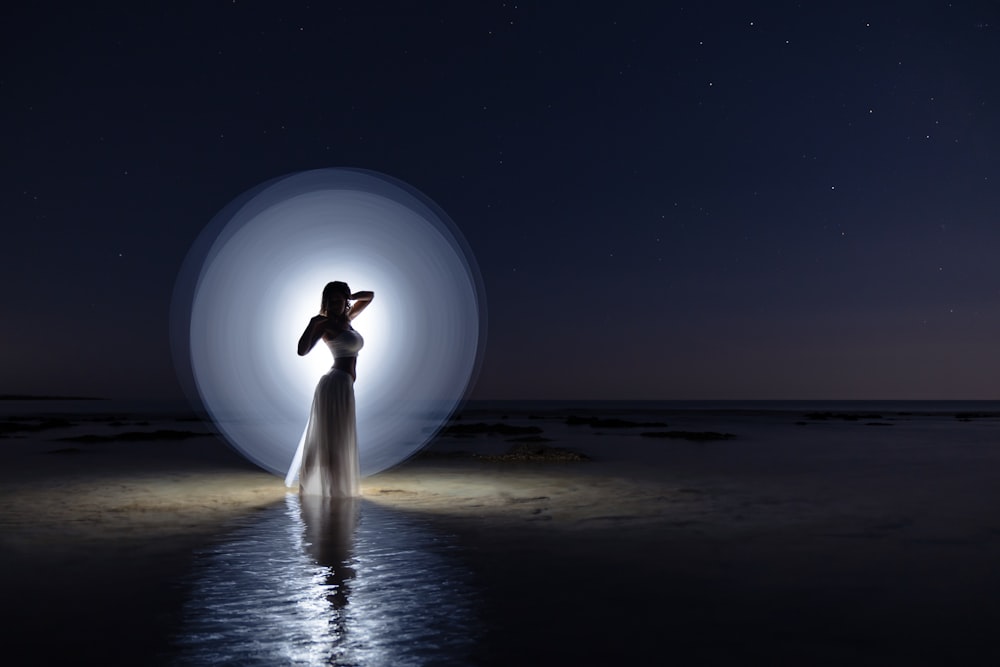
[{"x": 330, "y": 444}]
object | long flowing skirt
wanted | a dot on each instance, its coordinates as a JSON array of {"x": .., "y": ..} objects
[{"x": 330, "y": 450}]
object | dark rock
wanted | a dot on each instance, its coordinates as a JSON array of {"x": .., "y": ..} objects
[
  {"x": 534, "y": 452},
  {"x": 844, "y": 416},
  {"x": 598, "y": 422},
  {"x": 16, "y": 424},
  {"x": 432, "y": 454},
  {"x": 162, "y": 434},
  {"x": 698, "y": 436},
  {"x": 490, "y": 429}
]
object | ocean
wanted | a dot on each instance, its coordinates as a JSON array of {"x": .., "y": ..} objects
[{"x": 707, "y": 532}]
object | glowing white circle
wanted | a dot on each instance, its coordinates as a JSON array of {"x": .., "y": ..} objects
[{"x": 254, "y": 277}]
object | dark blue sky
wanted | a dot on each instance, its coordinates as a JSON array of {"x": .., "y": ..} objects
[{"x": 728, "y": 201}]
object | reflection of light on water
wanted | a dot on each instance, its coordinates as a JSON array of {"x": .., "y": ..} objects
[{"x": 329, "y": 582}]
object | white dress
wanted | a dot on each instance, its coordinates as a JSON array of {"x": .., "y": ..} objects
[{"x": 330, "y": 444}]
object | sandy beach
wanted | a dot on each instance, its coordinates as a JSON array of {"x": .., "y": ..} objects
[{"x": 796, "y": 541}]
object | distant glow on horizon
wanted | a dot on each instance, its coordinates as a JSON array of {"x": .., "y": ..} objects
[{"x": 254, "y": 278}]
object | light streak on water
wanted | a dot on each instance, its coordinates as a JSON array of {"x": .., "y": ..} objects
[{"x": 332, "y": 582}]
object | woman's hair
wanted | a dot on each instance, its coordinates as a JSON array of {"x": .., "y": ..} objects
[{"x": 336, "y": 288}]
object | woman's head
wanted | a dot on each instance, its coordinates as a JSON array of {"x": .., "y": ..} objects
[{"x": 335, "y": 298}]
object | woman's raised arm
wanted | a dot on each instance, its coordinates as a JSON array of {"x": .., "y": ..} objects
[{"x": 361, "y": 301}]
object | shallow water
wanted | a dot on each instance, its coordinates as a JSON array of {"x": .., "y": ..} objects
[
  {"x": 802, "y": 540},
  {"x": 329, "y": 582}
]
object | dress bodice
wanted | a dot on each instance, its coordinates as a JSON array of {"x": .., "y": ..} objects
[{"x": 346, "y": 344}]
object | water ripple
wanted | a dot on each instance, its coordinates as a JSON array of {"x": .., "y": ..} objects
[{"x": 329, "y": 583}]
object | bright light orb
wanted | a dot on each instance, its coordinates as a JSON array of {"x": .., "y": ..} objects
[{"x": 254, "y": 277}]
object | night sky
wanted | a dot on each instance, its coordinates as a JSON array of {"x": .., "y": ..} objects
[{"x": 702, "y": 200}]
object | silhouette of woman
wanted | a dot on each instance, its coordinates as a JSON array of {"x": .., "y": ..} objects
[{"x": 330, "y": 443}]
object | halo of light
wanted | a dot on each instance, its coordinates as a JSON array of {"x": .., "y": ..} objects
[{"x": 254, "y": 276}]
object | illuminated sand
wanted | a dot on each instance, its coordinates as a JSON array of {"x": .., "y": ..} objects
[
  {"x": 145, "y": 508},
  {"x": 146, "y": 505},
  {"x": 155, "y": 493},
  {"x": 556, "y": 496},
  {"x": 191, "y": 489}
]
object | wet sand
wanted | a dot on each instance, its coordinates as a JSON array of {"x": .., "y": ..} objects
[{"x": 730, "y": 553}]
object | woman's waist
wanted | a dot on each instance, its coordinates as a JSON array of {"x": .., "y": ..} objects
[
  {"x": 345, "y": 364},
  {"x": 340, "y": 369}
]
